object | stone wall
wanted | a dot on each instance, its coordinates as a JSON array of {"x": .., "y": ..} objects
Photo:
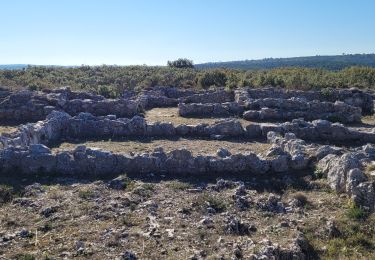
[
  {"x": 220, "y": 96},
  {"x": 288, "y": 109},
  {"x": 60, "y": 125},
  {"x": 353, "y": 97},
  {"x": 37, "y": 158},
  {"x": 275, "y": 109},
  {"x": 210, "y": 109}
]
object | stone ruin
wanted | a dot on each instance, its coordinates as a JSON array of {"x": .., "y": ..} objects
[{"x": 63, "y": 115}]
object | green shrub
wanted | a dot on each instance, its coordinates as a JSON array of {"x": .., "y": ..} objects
[
  {"x": 107, "y": 91},
  {"x": 177, "y": 185},
  {"x": 356, "y": 213},
  {"x": 207, "y": 200},
  {"x": 6, "y": 194},
  {"x": 181, "y": 63},
  {"x": 86, "y": 193},
  {"x": 334, "y": 119},
  {"x": 212, "y": 78},
  {"x": 318, "y": 174}
]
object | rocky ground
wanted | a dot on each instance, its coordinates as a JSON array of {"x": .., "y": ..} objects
[{"x": 152, "y": 217}]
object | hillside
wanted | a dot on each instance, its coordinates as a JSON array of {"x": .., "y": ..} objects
[
  {"x": 13, "y": 66},
  {"x": 334, "y": 62}
]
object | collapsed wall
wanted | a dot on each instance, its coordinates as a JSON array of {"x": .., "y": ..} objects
[
  {"x": 353, "y": 96},
  {"x": 345, "y": 173},
  {"x": 31, "y": 106}
]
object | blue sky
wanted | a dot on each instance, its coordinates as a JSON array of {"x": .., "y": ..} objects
[{"x": 123, "y": 32}]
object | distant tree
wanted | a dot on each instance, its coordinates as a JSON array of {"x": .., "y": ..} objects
[{"x": 181, "y": 63}]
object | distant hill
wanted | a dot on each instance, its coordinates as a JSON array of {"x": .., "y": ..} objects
[
  {"x": 334, "y": 62},
  {"x": 13, "y": 66}
]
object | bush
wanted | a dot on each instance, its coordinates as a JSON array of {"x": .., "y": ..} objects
[
  {"x": 206, "y": 200},
  {"x": 181, "y": 64},
  {"x": 107, "y": 91},
  {"x": 6, "y": 194},
  {"x": 301, "y": 198},
  {"x": 212, "y": 78},
  {"x": 356, "y": 213},
  {"x": 318, "y": 174}
]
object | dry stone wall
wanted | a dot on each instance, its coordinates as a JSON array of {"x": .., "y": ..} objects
[
  {"x": 353, "y": 97},
  {"x": 60, "y": 125},
  {"x": 288, "y": 109}
]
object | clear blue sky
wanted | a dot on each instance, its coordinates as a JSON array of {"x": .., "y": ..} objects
[{"x": 74, "y": 32}]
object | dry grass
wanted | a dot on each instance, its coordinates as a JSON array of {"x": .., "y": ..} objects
[
  {"x": 196, "y": 146},
  {"x": 171, "y": 115},
  {"x": 369, "y": 120},
  {"x": 7, "y": 129}
]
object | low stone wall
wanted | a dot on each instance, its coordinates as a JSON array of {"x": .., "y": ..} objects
[
  {"x": 210, "y": 109},
  {"x": 317, "y": 130},
  {"x": 220, "y": 96},
  {"x": 288, "y": 109},
  {"x": 38, "y": 158},
  {"x": 118, "y": 107},
  {"x": 353, "y": 97},
  {"x": 275, "y": 109},
  {"x": 60, "y": 125}
]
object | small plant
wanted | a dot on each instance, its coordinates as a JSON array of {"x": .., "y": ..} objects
[
  {"x": 356, "y": 213},
  {"x": 148, "y": 186},
  {"x": 318, "y": 174},
  {"x": 326, "y": 92},
  {"x": 207, "y": 200},
  {"x": 334, "y": 119},
  {"x": 370, "y": 169},
  {"x": 128, "y": 220},
  {"x": 301, "y": 198},
  {"x": 24, "y": 257},
  {"x": 177, "y": 185},
  {"x": 6, "y": 194},
  {"x": 86, "y": 193}
]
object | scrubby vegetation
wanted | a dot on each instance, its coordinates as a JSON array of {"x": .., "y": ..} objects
[{"x": 111, "y": 81}]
